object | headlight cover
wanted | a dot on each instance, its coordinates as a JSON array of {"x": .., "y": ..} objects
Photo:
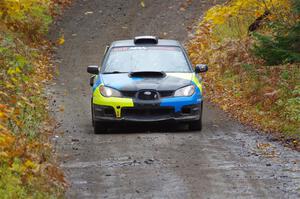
[
  {"x": 185, "y": 91},
  {"x": 109, "y": 92}
]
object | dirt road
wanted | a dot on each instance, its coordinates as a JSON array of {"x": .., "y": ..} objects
[{"x": 225, "y": 160}]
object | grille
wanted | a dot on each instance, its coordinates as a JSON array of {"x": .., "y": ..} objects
[
  {"x": 166, "y": 93},
  {"x": 132, "y": 94},
  {"x": 104, "y": 111},
  {"x": 147, "y": 95}
]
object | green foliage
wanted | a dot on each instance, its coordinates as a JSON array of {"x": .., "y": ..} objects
[
  {"x": 292, "y": 109},
  {"x": 283, "y": 46},
  {"x": 296, "y": 6},
  {"x": 279, "y": 49},
  {"x": 289, "y": 104},
  {"x": 11, "y": 185},
  {"x": 238, "y": 81},
  {"x": 31, "y": 18},
  {"x": 26, "y": 166},
  {"x": 226, "y": 30}
]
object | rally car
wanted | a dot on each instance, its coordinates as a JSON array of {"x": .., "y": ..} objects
[{"x": 146, "y": 79}]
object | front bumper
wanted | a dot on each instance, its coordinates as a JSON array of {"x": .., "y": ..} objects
[{"x": 147, "y": 113}]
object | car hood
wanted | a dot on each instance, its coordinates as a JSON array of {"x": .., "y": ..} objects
[{"x": 123, "y": 82}]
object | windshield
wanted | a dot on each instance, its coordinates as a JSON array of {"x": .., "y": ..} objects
[{"x": 159, "y": 58}]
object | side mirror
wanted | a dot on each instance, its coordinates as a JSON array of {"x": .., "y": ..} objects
[
  {"x": 92, "y": 79},
  {"x": 93, "y": 70},
  {"x": 201, "y": 68}
]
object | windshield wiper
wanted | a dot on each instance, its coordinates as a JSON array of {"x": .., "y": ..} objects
[{"x": 114, "y": 72}]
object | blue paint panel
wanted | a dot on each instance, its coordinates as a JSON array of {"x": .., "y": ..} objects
[
  {"x": 179, "y": 102},
  {"x": 122, "y": 81},
  {"x": 137, "y": 78},
  {"x": 97, "y": 83}
]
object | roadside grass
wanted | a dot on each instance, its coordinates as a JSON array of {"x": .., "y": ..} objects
[
  {"x": 27, "y": 165},
  {"x": 266, "y": 97}
]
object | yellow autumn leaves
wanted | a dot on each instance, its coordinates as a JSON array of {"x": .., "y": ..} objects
[
  {"x": 143, "y": 3},
  {"x": 238, "y": 81},
  {"x": 244, "y": 8},
  {"x": 24, "y": 68},
  {"x": 29, "y": 16},
  {"x": 12, "y": 7}
]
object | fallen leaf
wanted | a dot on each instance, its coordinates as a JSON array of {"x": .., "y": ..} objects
[
  {"x": 61, "y": 108},
  {"x": 88, "y": 12},
  {"x": 61, "y": 40},
  {"x": 263, "y": 145}
]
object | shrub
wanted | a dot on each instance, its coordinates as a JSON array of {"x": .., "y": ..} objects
[
  {"x": 265, "y": 97},
  {"x": 28, "y": 17},
  {"x": 279, "y": 49},
  {"x": 27, "y": 169},
  {"x": 283, "y": 46}
]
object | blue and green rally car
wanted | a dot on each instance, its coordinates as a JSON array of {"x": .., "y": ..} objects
[{"x": 146, "y": 79}]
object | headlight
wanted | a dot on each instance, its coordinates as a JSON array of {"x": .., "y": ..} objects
[
  {"x": 185, "y": 91},
  {"x": 109, "y": 92}
]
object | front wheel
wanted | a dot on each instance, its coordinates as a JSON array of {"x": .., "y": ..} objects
[
  {"x": 99, "y": 127},
  {"x": 197, "y": 125}
]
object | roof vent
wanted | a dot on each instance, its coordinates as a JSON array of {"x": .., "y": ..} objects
[{"x": 145, "y": 40}]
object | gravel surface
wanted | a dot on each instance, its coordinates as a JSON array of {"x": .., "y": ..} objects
[{"x": 225, "y": 160}]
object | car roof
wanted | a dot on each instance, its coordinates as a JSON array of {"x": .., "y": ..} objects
[{"x": 161, "y": 42}]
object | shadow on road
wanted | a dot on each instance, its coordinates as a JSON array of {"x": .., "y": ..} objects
[{"x": 133, "y": 127}]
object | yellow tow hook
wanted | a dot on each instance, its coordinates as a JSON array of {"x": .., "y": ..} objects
[{"x": 118, "y": 111}]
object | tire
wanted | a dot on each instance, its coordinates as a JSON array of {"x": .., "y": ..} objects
[
  {"x": 92, "y": 111},
  {"x": 197, "y": 125},
  {"x": 100, "y": 128}
]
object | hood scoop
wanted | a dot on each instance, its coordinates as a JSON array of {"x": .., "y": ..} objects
[{"x": 148, "y": 74}]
